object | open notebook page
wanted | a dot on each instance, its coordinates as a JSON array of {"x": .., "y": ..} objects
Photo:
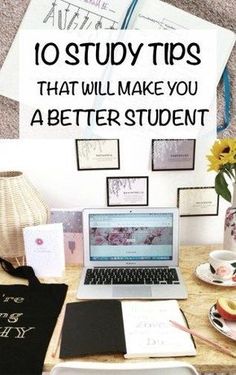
[
  {"x": 159, "y": 15},
  {"x": 148, "y": 332},
  {"x": 62, "y": 15}
]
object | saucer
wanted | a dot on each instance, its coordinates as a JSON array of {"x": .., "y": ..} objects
[
  {"x": 203, "y": 272},
  {"x": 226, "y": 327}
]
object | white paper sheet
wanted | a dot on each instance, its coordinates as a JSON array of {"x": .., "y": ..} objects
[
  {"x": 59, "y": 15},
  {"x": 44, "y": 249},
  {"x": 148, "y": 332},
  {"x": 159, "y": 15}
]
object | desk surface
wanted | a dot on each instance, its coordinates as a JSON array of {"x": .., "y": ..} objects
[{"x": 201, "y": 297}]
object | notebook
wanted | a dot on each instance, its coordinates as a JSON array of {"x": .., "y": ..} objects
[
  {"x": 64, "y": 15},
  {"x": 157, "y": 14},
  {"x": 131, "y": 253},
  {"x": 133, "y": 328},
  {"x": 79, "y": 15}
]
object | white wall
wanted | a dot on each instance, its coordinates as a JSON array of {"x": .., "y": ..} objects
[{"x": 51, "y": 166}]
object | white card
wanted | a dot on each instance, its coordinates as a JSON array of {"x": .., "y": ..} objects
[{"x": 44, "y": 249}]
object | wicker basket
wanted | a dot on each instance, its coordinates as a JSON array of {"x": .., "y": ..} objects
[{"x": 20, "y": 206}]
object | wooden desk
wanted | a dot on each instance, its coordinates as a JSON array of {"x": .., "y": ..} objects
[{"x": 201, "y": 297}]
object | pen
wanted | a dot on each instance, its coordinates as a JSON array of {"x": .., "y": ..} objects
[{"x": 203, "y": 338}]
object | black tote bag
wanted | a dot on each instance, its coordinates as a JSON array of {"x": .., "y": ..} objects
[{"x": 28, "y": 315}]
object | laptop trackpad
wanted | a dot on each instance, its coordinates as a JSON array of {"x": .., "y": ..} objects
[{"x": 133, "y": 291}]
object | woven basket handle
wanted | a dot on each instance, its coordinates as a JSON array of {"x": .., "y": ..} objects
[{"x": 24, "y": 272}]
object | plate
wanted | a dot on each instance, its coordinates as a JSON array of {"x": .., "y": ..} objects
[
  {"x": 226, "y": 327},
  {"x": 203, "y": 272}
]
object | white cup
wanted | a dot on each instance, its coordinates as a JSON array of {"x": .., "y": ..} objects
[{"x": 223, "y": 264}]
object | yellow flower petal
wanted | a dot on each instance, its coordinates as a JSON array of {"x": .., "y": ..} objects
[{"x": 223, "y": 152}]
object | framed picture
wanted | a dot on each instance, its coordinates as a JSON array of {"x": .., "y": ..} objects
[
  {"x": 97, "y": 154},
  {"x": 173, "y": 154},
  {"x": 127, "y": 191},
  {"x": 73, "y": 232},
  {"x": 198, "y": 201}
]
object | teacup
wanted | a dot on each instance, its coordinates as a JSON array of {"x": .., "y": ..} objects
[{"x": 223, "y": 264}]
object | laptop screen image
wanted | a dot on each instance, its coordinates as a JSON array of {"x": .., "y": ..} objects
[{"x": 131, "y": 236}]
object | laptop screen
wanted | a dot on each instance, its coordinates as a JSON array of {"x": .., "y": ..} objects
[{"x": 131, "y": 236}]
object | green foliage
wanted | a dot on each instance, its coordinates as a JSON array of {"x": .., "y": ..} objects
[{"x": 221, "y": 186}]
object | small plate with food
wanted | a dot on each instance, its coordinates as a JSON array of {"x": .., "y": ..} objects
[{"x": 222, "y": 316}]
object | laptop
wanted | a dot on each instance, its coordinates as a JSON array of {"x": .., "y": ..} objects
[{"x": 131, "y": 254}]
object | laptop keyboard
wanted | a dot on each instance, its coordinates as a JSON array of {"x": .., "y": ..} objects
[{"x": 116, "y": 276}]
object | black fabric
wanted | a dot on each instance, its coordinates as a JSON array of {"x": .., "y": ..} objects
[{"x": 28, "y": 315}]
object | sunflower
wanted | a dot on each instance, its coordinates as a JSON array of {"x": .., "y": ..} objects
[
  {"x": 222, "y": 152},
  {"x": 223, "y": 161},
  {"x": 214, "y": 163}
]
